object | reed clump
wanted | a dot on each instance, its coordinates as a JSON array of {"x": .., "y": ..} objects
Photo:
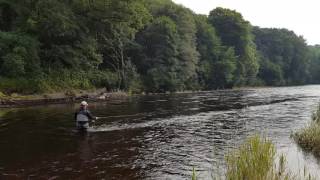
[
  {"x": 308, "y": 138},
  {"x": 257, "y": 159}
]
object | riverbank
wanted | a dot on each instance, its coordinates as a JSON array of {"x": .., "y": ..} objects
[{"x": 69, "y": 96}]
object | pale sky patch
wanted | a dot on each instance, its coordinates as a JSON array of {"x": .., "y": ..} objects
[{"x": 301, "y": 16}]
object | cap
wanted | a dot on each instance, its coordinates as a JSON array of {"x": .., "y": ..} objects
[{"x": 84, "y": 103}]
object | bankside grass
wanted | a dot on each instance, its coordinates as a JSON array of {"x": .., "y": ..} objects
[
  {"x": 194, "y": 175},
  {"x": 256, "y": 159},
  {"x": 309, "y": 137}
]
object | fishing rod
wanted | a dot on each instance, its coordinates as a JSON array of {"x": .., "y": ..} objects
[
  {"x": 123, "y": 116},
  {"x": 108, "y": 117}
]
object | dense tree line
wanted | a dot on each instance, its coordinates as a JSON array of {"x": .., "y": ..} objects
[
  {"x": 314, "y": 66},
  {"x": 284, "y": 57},
  {"x": 143, "y": 45}
]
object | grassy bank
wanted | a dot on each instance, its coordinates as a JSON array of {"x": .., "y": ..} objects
[
  {"x": 257, "y": 159},
  {"x": 59, "y": 87},
  {"x": 57, "y": 81},
  {"x": 309, "y": 137}
]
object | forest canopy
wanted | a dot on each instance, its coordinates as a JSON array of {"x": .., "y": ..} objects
[{"x": 143, "y": 46}]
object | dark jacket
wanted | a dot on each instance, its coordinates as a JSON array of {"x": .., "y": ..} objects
[{"x": 84, "y": 112}]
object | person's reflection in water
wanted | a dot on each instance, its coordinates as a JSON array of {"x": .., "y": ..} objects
[{"x": 85, "y": 147}]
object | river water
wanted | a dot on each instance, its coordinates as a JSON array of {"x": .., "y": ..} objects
[{"x": 162, "y": 136}]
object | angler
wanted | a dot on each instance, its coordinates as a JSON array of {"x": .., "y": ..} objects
[{"x": 83, "y": 116}]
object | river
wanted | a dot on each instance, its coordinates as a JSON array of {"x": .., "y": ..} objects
[{"x": 163, "y": 136}]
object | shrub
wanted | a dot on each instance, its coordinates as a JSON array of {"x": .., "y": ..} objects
[
  {"x": 105, "y": 79},
  {"x": 19, "y": 85}
]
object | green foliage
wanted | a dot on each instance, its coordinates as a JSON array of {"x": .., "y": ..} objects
[
  {"x": 65, "y": 42},
  {"x": 142, "y": 45},
  {"x": 188, "y": 56},
  {"x": 159, "y": 64},
  {"x": 236, "y": 32},
  {"x": 285, "y": 57},
  {"x": 217, "y": 63},
  {"x": 271, "y": 73},
  {"x": 314, "y": 64},
  {"x": 59, "y": 81},
  {"x": 223, "y": 70},
  {"x": 8, "y": 16},
  {"x": 18, "y": 55},
  {"x": 13, "y": 64},
  {"x": 19, "y": 85}
]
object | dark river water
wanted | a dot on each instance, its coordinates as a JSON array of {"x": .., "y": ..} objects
[{"x": 162, "y": 136}]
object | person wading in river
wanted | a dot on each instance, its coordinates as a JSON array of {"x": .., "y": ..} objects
[{"x": 83, "y": 116}]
